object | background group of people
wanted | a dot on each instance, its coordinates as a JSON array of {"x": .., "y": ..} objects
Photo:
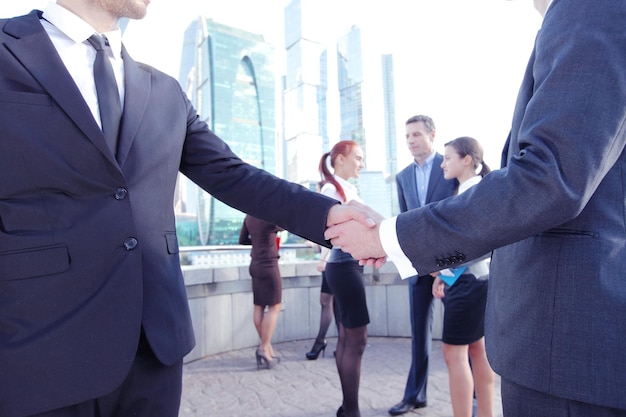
[{"x": 431, "y": 177}]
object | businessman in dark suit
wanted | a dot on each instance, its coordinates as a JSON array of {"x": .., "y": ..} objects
[
  {"x": 94, "y": 318},
  {"x": 420, "y": 183},
  {"x": 554, "y": 216}
]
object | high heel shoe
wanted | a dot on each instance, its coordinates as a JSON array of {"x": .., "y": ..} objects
[
  {"x": 314, "y": 353},
  {"x": 340, "y": 412},
  {"x": 263, "y": 361}
]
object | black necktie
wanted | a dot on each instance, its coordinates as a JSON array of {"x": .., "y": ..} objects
[{"x": 108, "y": 94}]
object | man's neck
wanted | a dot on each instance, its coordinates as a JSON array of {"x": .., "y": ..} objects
[
  {"x": 101, "y": 20},
  {"x": 422, "y": 161}
]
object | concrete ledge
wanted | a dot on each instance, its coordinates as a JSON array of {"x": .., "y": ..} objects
[{"x": 220, "y": 300}]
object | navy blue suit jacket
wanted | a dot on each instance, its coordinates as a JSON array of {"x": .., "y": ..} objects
[
  {"x": 88, "y": 247},
  {"x": 555, "y": 215},
  {"x": 438, "y": 187}
]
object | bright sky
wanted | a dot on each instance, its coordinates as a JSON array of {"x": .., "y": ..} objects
[{"x": 459, "y": 61}]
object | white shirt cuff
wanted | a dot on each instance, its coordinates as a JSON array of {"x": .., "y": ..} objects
[{"x": 391, "y": 246}]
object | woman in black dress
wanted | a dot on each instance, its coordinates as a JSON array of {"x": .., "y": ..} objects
[{"x": 266, "y": 283}]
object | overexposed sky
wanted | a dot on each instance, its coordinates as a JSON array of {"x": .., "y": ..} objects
[{"x": 459, "y": 61}]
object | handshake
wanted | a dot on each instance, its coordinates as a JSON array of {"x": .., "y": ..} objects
[{"x": 355, "y": 227}]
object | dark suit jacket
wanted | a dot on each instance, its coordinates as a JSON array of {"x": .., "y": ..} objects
[
  {"x": 556, "y": 213},
  {"x": 88, "y": 247},
  {"x": 438, "y": 187}
]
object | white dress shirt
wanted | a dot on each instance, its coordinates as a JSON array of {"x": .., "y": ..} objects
[
  {"x": 69, "y": 34},
  {"x": 349, "y": 190}
]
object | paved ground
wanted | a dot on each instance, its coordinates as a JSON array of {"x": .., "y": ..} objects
[{"x": 230, "y": 385}]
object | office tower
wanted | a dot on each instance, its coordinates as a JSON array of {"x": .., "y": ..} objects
[
  {"x": 389, "y": 112},
  {"x": 350, "y": 84},
  {"x": 304, "y": 92},
  {"x": 391, "y": 141},
  {"x": 228, "y": 74},
  {"x": 374, "y": 189}
]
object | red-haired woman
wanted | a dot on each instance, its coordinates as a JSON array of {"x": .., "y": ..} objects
[{"x": 345, "y": 277}]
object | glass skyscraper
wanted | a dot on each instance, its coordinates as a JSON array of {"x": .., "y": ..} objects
[
  {"x": 304, "y": 92},
  {"x": 391, "y": 148},
  {"x": 228, "y": 74},
  {"x": 350, "y": 83}
]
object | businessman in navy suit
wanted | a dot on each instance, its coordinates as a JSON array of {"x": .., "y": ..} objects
[
  {"x": 94, "y": 319},
  {"x": 420, "y": 183},
  {"x": 554, "y": 217}
]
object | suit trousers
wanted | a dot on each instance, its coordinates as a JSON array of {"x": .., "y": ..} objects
[
  {"x": 150, "y": 389},
  {"x": 519, "y": 401},
  {"x": 422, "y": 307}
]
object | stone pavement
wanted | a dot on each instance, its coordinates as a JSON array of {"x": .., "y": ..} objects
[{"x": 229, "y": 384}]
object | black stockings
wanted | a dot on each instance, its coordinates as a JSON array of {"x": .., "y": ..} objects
[
  {"x": 327, "y": 302},
  {"x": 350, "y": 348}
]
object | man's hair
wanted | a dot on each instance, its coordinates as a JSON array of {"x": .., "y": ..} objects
[{"x": 428, "y": 122}]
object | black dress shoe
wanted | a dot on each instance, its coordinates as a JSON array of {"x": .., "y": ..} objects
[{"x": 405, "y": 406}]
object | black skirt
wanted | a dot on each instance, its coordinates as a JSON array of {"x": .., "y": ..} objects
[
  {"x": 344, "y": 276},
  {"x": 464, "y": 313}
]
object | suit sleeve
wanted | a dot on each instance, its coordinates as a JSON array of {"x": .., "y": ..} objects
[
  {"x": 568, "y": 133},
  {"x": 209, "y": 162}
]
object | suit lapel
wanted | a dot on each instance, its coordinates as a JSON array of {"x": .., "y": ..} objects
[
  {"x": 33, "y": 48},
  {"x": 137, "y": 86},
  {"x": 436, "y": 174},
  {"x": 410, "y": 182}
]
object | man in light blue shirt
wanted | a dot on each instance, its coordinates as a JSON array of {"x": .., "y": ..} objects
[{"x": 420, "y": 183}]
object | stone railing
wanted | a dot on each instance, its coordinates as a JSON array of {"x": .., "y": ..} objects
[{"x": 221, "y": 306}]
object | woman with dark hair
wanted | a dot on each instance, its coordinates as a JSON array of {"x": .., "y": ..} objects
[
  {"x": 266, "y": 284},
  {"x": 464, "y": 294},
  {"x": 345, "y": 277}
]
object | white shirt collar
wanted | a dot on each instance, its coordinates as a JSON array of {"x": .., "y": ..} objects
[
  {"x": 77, "y": 29},
  {"x": 469, "y": 183}
]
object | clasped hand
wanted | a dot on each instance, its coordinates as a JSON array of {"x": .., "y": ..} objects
[{"x": 355, "y": 228}]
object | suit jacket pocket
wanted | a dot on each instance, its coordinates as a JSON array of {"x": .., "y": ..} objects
[
  {"x": 34, "y": 262},
  {"x": 15, "y": 97},
  {"x": 172, "y": 243}
]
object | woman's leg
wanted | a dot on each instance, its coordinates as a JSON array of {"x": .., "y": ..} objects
[
  {"x": 326, "y": 302},
  {"x": 258, "y": 318},
  {"x": 460, "y": 379},
  {"x": 350, "y": 348},
  {"x": 484, "y": 378},
  {"x": 268, "y": 325}
]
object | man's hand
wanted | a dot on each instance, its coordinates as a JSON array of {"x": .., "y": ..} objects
[
  {"x": 340, "y": 213},
  {"x": 355, "y": 227}
]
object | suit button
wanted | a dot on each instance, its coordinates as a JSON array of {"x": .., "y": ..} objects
[
  {"x": 461, "y": 257},
  {"x": 446, "y": 261},
  {"x": 130, "y": 243},
  {"x": 120, "y": 193},
  {"x": 440, "y": 263}
]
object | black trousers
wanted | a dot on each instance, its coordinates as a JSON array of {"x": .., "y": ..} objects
[
  {"x": 150, "y": 389},
  {"x": 518, "y": 401},
  {"x": 421, "y": 314}
]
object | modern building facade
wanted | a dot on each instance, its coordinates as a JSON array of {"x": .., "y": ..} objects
[
  {"x": 391, "y": 138},
  {"x": 350, "y": 84},
  {"x": 228, "y": 74},
  {"x": 304, "y": 93}
]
